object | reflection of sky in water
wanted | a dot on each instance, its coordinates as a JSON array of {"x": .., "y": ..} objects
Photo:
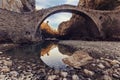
[{"x": 54, "y": 59}]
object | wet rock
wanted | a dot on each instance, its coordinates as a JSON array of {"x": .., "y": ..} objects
[
  {"x": 64, "y": 74},
  {"x": 75, "y": 77},
  {"x": 88, "y": 72},
  {"x": 79, "y": 58}
]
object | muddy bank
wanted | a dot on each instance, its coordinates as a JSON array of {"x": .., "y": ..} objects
[{"x": 7, "y": 46}]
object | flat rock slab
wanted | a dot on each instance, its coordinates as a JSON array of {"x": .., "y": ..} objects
[{"x": 96, "y": 49}]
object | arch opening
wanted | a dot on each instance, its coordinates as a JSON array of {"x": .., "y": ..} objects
[{"x": 77, "y": 28}]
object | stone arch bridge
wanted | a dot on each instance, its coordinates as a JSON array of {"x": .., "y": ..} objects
[{"x": 26, "y": 26}]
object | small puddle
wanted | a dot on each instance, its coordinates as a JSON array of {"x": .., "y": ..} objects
[
  {"x": 51, "y": 55},
  {"x": 53, "y": 58},
  {"x": 48, "y": 53}
]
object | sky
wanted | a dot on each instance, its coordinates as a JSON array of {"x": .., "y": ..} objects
[
  {"x": 56, "y": 19},
  {"x": 54, "y": 59}
]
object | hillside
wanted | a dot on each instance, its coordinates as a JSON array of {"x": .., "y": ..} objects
[
  {"x": 47, "y": 31},
  {"x": 80, "y": 28}
]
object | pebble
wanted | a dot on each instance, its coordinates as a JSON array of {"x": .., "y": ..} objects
[
  {"x": 106, "y": 77},
  {"x": 116, "y": 66},
  {"x": 1, "y": 52},
  {"x": 64, "y": 74},
  {"x": 2, "y": 77},
  {"x": 88, "y": 72},
  {"x": 7, "y": 63},
  {"x": 57, "y": 71},
  {"x": 114, "y": 62},
  {"x": 75, "y": 77},
  {"x": 33, "y": 64},
  {"x": 14, "y": 73},
  {"x": 3, "y": 57},
  {"x": 22, "y": 76},
  {"x": 94, "y": 65},
  {"x": 101, "y": 66},
  {"x": 19, "y": 67},
  {"x": 1, "y": 61},
  {"x": 64, "y": 79},
  {"x": 107, "y": 64},
  {"x": 116, "y": 76},
  {"x": 7, "y": 58},
  {"x": 5, "y": 69},
  {"x": 51, "y": 77}
]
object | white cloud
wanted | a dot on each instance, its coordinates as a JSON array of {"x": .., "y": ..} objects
[
  {"x": 48, "y": 3},
  {"x": 38, "y": 7},
  {"x": 72, "y": 2}
]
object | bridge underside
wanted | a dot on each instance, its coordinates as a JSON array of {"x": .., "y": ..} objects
[
  {"x": 96, "y": 24},
  {"x": 87, "y": 28},
  {"x": 20, "y": 28},
  {"x": 70, "y": 30}
]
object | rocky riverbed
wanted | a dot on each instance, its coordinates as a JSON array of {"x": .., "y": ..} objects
[{"x": 101, "y": 62}]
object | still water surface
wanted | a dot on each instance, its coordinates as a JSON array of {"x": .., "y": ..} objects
[
  {"x": 48, "y": 53},
  {"x": 52, "y": 56}
]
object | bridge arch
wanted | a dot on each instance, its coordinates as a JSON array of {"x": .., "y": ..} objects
[{"x": 71, "y": 9}]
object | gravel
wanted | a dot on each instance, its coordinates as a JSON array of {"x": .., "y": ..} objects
[{"x": 105, "y": 64}]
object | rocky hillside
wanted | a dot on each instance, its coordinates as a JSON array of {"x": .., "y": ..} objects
[
  {"x": 80, "y": 28},
  {"x": 18, "y": 5},
  {"x": 47, "y": 31}
]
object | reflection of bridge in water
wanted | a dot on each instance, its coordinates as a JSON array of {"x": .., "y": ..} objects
[{"x": 47, "y": 49}]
